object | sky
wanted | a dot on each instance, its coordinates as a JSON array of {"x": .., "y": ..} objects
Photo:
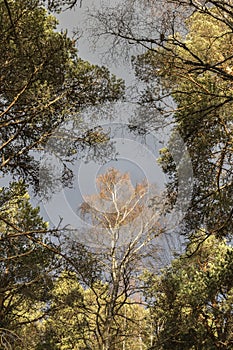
[
  {"x": 77, "y": 20},
  {"x": 136, "y": 155}
]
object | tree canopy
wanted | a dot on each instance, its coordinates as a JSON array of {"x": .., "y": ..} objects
[
  {"x": 203, "y": 97},
  {"x": 43, "y": 83},
  {"x": 25, "y": 262},
  {"x": 186, "y": 69},
  {"x": 192, "y": 300},
  {"x": 100, "y": 287}
]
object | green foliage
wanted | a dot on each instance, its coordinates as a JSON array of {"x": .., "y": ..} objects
[
  {"x": 78, "y": 316},
  {"x": 66, "y": 326},
  {"x": 191, "y": 302},
  {"x": 25, "y": 263},
  {"x": 43, "y": 83},
  {"x": 93, "y": 303},
  {"x": 196, "y": 70}
]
